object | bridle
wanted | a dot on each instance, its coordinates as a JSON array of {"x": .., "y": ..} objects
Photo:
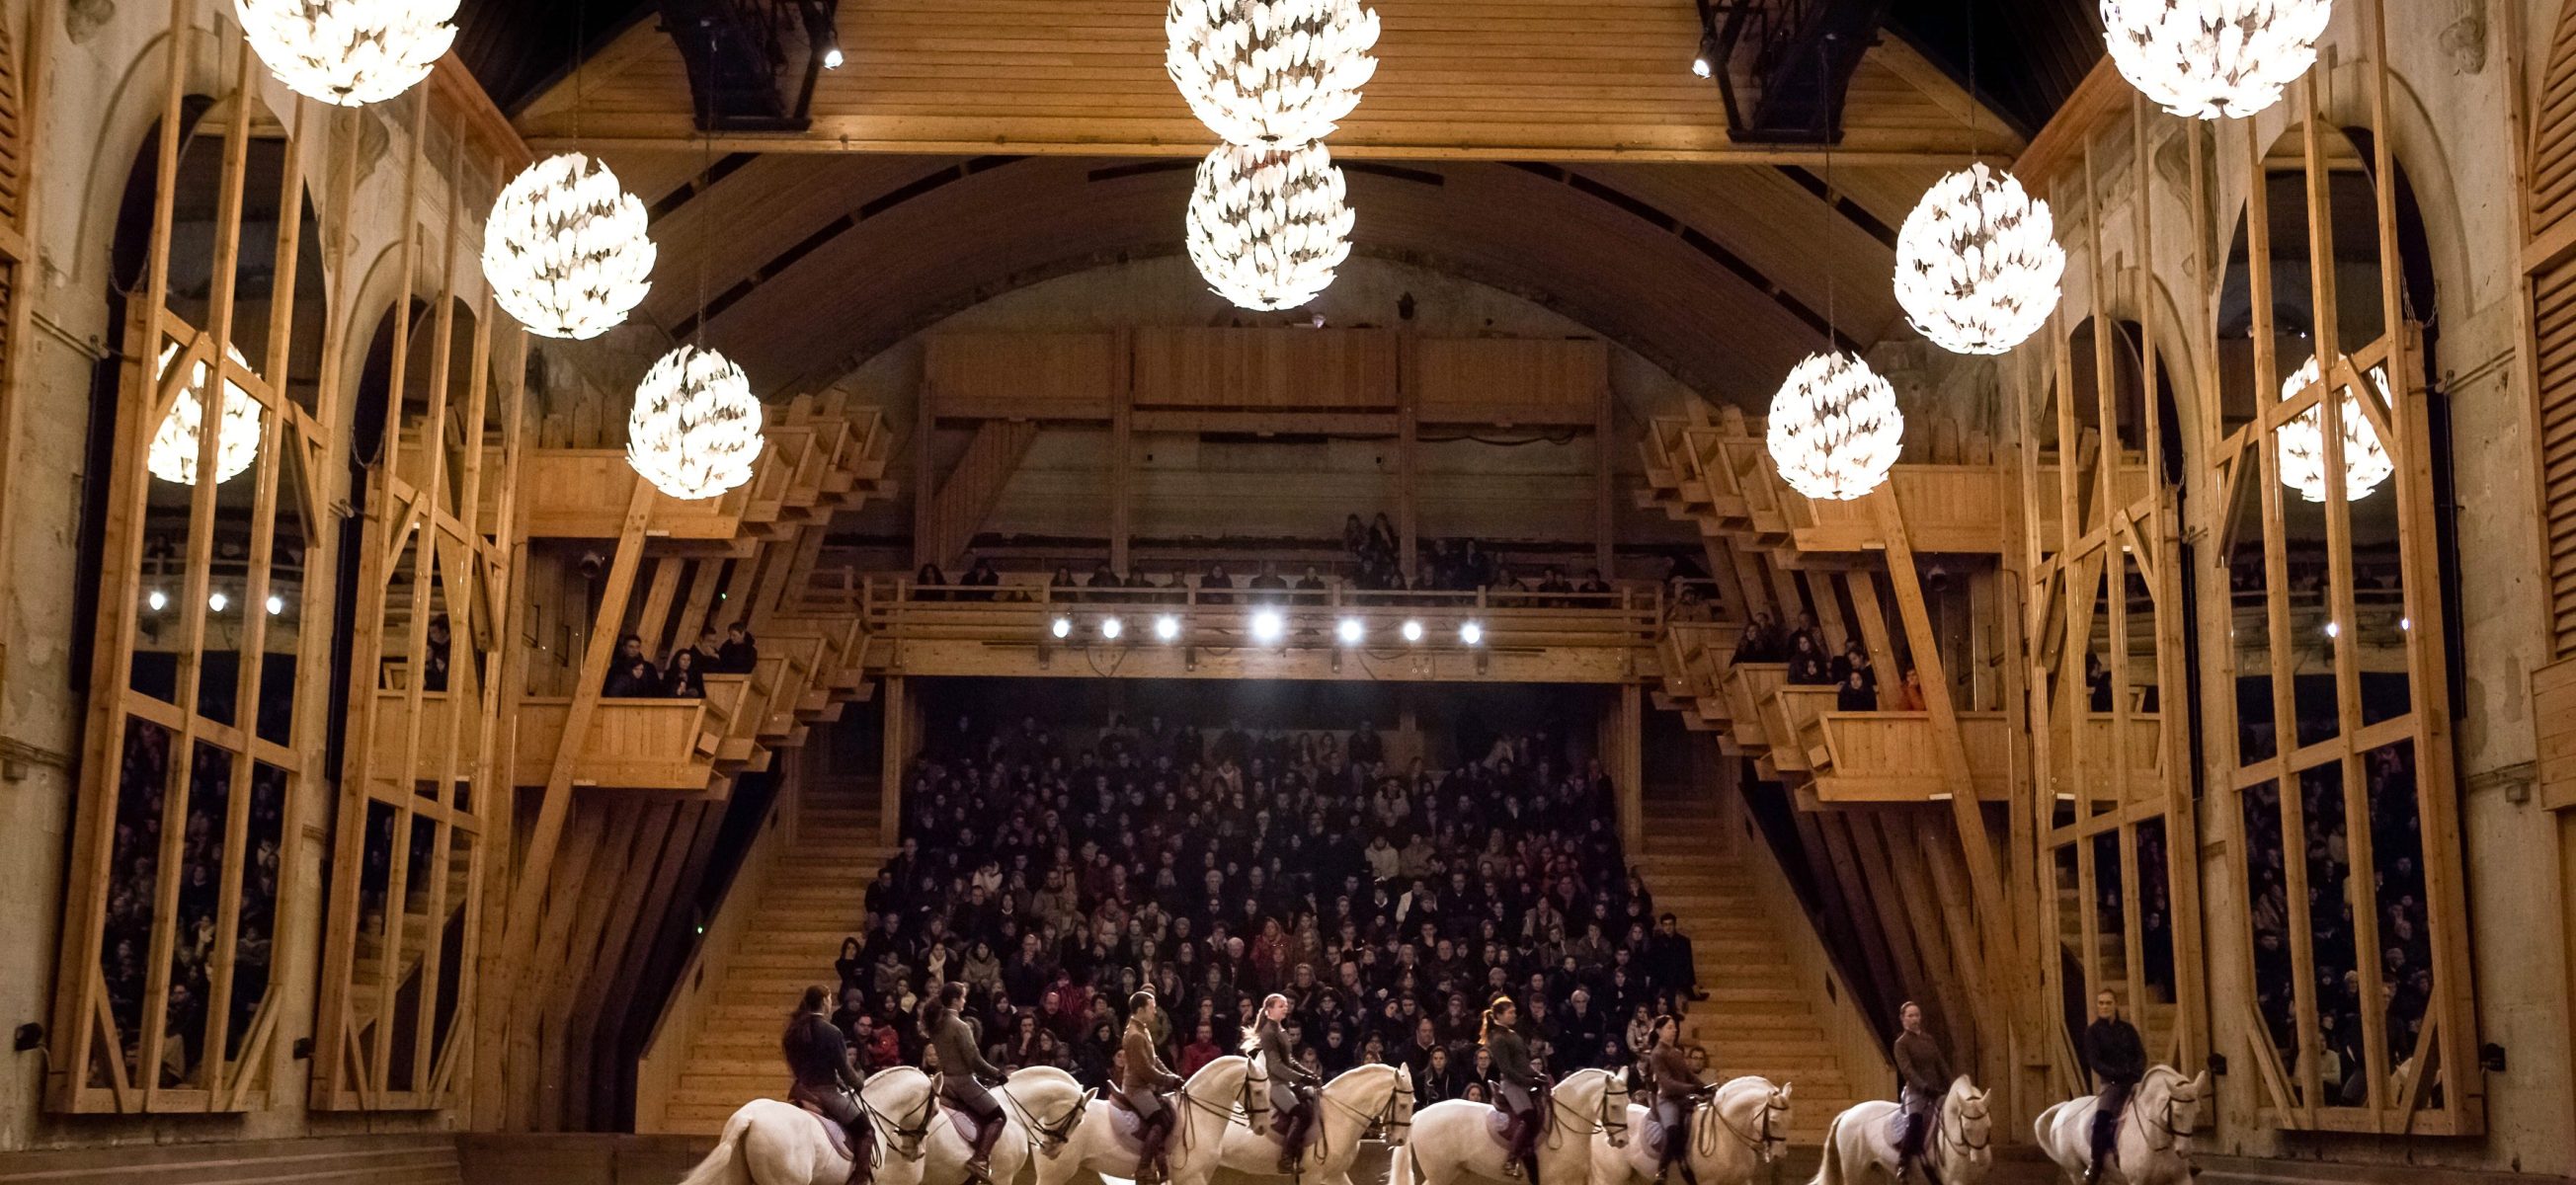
[
  {"x": 1960, "y": 1140},
  {"x": 1044, "y": 1137},
  {"x": 2174, "y": 1135},
  {"x": 909, "y": 1142},
  {"x": 1254, "y": 1081},
  {"x": 1765, "y": 1140},
  {"x": 1606, "y": 1117}
]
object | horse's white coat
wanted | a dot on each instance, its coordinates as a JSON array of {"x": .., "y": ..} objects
[
  {"x": 1202, "y": 1108},
  {"x": 768, "y": 1142},
  {"x": 1350, "y": 1102},
  {"x": 2154, "y": 1145},
  {"x": 1960, "y": 1146},
  {"x": 1743, "y": 1128},
  {"x": 1450, "y": 1139}
]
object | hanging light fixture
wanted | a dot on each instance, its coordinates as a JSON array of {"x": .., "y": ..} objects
[
  {"x": 349, "y": 52},
  {"x": 695, "y": 430},
  {"x": 2203, "y": 59},
  {"x": 1268, "y": 226},
  {"x": 1977, "y": 262},
  {"x": 1270, "y": 71},
  {"x": 1835, "y": 428},
  {"x": 2302, "y": 441},
  {"x": 176, "y": 443},
  {"x": 566, "y": 249}
]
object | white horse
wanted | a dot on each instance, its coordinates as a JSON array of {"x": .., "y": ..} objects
[
  {"x": 1042, "y": 1107},
  {"x": 1960, "y": 1144},
  {"x": 767, "y": 1142},
  {"x": 1741, "y": 1127},
  {"x": 2154, "y": 1143},
  {"x": 1355, "y": 1100},
  {"x": 1456, "y": 1138},
  {"x": 1203, "y": 1106}
]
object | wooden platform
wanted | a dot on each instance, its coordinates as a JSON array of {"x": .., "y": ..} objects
[{"x": 426, "y": 1159}]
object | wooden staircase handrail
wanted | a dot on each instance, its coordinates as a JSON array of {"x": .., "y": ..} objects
[{"x": 675, "y": 1031}]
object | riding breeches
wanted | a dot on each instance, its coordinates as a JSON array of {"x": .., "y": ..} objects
[
  {"x": 2106, "y": 1114},
  {"x": 963, "y": 1092},
  {"x": 1673, "y": 1116}
]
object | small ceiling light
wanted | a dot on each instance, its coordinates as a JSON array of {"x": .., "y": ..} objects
[
  {"x": 1977, "y": 264},
  {"x": 567, "y": 249},
  {"x": 156, "y": 600},
  {"x": 1352, "y": 631},
  {"x": 1111, "y": 627},
  {"x": 276, "y": 604},
  {"x": 1266, "y": 227},
  {"x": 1471, "y": 633},
  {"x": 2334, "y": 629},
  {"x": 172, "y": 455},
  {"x": 1412, "y": 631},
  {"x": 1269, "y": 71},
  {"x": 832, "y": 58},
  {"x": 349, "y": 52},
  {"x": 1835, "y": 428},
  {"x": 1267, "y": 626},
  {"x": 2406, "y": 623},
  {"x": 217, "y": 601},
  {"x": 1061, "y": 627},
  {"x": 2207, "y": 59},
  {"x": 695, "y": 430},
  {"x": 2302, "y": 441},
  {"x": 1704, "y": 63},
  {"x": 1167, "y": 628}
]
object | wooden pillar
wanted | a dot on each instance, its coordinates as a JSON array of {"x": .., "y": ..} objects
[
  {"x": 1122, "y": 439},
  {"x": 1623, "y": 756},
  {"x": 1408, "y": 461},
  {"x": 899, "y": 741},
  {"x": 1604, "y": 471}
]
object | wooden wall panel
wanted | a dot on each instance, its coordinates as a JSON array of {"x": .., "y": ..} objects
[
  {"x": 1510, "y": 381},
  {"x": 1266, "y": 370},
  {"x": 1047, "y": 376}
]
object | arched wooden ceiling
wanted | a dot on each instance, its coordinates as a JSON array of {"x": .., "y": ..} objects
[{"x": 811, "y": 263}]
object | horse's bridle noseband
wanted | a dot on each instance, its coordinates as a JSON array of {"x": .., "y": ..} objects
[{"x": 912, "y": 1134}]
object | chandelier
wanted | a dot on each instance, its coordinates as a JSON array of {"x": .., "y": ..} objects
[
  {"x": 695, "y": 430},
  {"x": 2302, "y": 441},
  {"x": 176, "y": 444},
  {"x": 566, "y": 249},
  {"x": 1977, "y": 263},
  {"x": 1268, "y": 226},
  {"x": 1270, "y": 71},
  {"x": 1835, "y": 428},
  {"x": 349, "y": 52},
  {"x": 2204, "y": 59}
]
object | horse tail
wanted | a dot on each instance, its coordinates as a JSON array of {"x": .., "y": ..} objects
[
  {"x": 725, "y": 1165},
  {"x": 1829, "y": 1167}
]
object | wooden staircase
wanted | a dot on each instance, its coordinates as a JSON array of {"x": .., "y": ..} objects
[
  {"x": 814, "y": 899},
  {"x": 2153, "y": 1016},
  {"x": 1756, "y": 1019}
]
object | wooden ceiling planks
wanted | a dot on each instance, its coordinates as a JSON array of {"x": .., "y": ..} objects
[
  {"x": 882, "y": 277},
  {"x": 1508, "y": 79}
]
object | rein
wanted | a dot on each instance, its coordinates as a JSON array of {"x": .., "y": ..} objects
[
  {"x": 1760, "y": 1140},
  {"x": 922, "y": 1117},
  {"x": 1052, "y": 1137},
  {"x": 2173, "y": 1135},
  {"x": 1960, "y": 1141}
]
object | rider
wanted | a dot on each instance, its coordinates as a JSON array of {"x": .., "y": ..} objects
[
  {"x": 1143, "y": 1081},
  {"x": 1516, "y": 1085},
  {"x": 824, "y": 1078},
  {"x": 961, "y": 1066},
  {"x": 1677, "y": 1088},
  {"x": 2117, "y": 1058},
  {"x": 1923, "y": 1077},
  {"x": 1292, "y": 1085}
]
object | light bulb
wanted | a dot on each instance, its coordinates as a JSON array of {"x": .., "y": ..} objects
[
  {"x": 1471, "y": 633},
  {"x": 156, "y": 600},
  {"x": 1352, "y": 631},
  {"x": 1110, "y": 628},
  {"x": 276, "y": 604},
  {"x": 1167, "y": 627},
  {"x": 832, "y": 58},
  {"x": 1413, "y": 631},
  {"x": 1267, "y": 626},
  {"x": 1061, "y": 627},
  {"x": 217, "y": 600}
]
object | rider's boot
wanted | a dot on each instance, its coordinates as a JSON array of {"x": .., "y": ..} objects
[
  {"x": 1151, "y": 1167},
  {"x": 863, "y": 1147},
  {"x": 1292, "y": 1141},
  {"x": 979, "y": 1163}
]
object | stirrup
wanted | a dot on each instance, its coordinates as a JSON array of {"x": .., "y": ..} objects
[{"x": 980, "y": 1168}]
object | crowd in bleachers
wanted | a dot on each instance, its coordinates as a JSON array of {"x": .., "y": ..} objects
[
  {"x": 2405, "y": 952},
  {"x": 1812, "y": 663},
  {"x": 134, "y": 889},
  {"x": 1054, "y": 877}
]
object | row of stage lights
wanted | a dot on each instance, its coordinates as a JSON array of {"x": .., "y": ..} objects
[
  {"x": 1267, "y": 627},
  {"x": 157, "y": 600}
]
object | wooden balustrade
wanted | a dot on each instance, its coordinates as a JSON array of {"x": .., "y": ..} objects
[
  {"x": 1862, "y": 757},
  {"x": 1723, "y": 477}
]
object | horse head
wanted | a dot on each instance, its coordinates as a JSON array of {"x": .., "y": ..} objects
[
  {"x": 1612, "y": 1118},
  {"x": 1968, "y": 1123},
  {"x": 1399, "y": 1109},
  {"x": 1256, "y": 1096},
  {"x": 901, "y": 1104},
  {"x": 2172, "y": 1102},
  {"x": 1756, "y": 1113}
]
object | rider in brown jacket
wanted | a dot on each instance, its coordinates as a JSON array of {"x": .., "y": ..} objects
[
  {"x": 1677, "y": 1090},
  {"x": 1923, "y": 1077},
  {"x": 1143, "y": 1078},
  {"x": 825, "y": 1081}
]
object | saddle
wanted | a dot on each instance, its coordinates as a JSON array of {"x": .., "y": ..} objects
[
  {"x": 1651, "y": 1134},
  {"x": 963, "y": 1121},
  {"x": 831, "y": 1129}
]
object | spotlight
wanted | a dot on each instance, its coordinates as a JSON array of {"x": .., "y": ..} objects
[
  {"x": 1111, "y": 627},
  {"x": 2406, "y": 623},
  {"x": 832, "y": 58},
  {"x": 1704, "y": 63},
  {"x": 156, "y": 600},
  {"x": 1471, "y": 633},
  {"x": 2334, "y": 629},
  {"x": 1061, "y": 627},
  {"x": 1413, "y": 631},
  {"x": 1352, "y": 631},
  {"x": 1267, "y": 626},
  {"x": 217, "y": 600},
  {"x": 1167, "y": 628},
  {"x": 276, "y": 604}
]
